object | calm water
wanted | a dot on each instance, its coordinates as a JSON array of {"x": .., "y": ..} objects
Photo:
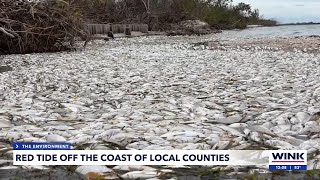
[{"x": 276, "y": 31}]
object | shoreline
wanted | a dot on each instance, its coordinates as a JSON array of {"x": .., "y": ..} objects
[
  {"x": 298, "y": 24},
  {"x": 299, "y": 44}
]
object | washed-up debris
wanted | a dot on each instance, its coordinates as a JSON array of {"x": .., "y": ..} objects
[
  {"x": 147, "y": 93},
  {"x": 5, "y": 69}
]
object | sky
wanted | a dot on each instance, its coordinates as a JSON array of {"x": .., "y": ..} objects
[{"x": 287, "y": 11}]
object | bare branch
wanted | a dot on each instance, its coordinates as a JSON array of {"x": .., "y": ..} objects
[
  {"x": 146, "y": 4},
  {"x": 6, "y": 32}
]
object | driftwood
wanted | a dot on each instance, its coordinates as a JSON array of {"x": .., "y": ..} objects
[
  {"x": 45, "y": 26},
  {"x": 127, "y": 31}
]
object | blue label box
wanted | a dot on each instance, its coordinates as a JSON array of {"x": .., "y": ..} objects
[
  {"x": 41, "y": 146},
  {"x": 287, "y": 167}
]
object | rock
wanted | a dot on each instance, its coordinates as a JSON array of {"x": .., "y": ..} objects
[
  {"x": 193, "y": 24},
  {"x": 190, "y": 27}
]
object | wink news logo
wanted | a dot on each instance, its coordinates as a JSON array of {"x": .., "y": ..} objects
[{"x": 286, "y": 156}]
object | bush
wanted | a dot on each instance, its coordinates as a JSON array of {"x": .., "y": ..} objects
[
  {"x": 46, "y": 26},
  {"x": 220, "y": 14},
  {"x": 51, "y": 25}
]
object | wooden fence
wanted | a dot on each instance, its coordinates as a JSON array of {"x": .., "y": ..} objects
[{"x": 115, "y": 28}]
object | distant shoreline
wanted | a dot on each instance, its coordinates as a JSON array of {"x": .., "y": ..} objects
[
  {"x": 294, "y": 24},
  {"x": 288, "y": 24}
]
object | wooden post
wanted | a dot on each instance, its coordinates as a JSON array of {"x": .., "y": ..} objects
[
  {"x": 99, "y": 28},
  {"x": 114, "y": 28},
  {"x": 144, "y": 28},
  {"x": 135, "y": 27},
  {"x": 127, "y": 30},
  {"x": 121, "y": 28},
  {"x": 93, "y": 30},
  {"x": 131, "y": 27},
  {"x": 106, "y": 28}
]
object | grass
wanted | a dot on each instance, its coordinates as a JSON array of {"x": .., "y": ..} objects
[
  {"x": 255, "y": 177},
  {"x": 212, "y": 173},
  {"x": 315, "y": 173},
  {"x": 278, "y": 173}
]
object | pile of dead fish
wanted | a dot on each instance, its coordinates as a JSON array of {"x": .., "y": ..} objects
[{"x": 147, "y": 93}]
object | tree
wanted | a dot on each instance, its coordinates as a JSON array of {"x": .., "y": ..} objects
[
  {"x": 255, "y": 14},
  {"x": 146, "y": 4},
  {"x": 223, "y": 3},
  {"x": 243, "y": 8}
]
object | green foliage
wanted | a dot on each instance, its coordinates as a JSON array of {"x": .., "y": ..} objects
[
  {"x": 255, "y": 176},
  {"x": 278, "y": 173},
  {"x": 213, "y": 173},
  {"x": 51, "y": 25},
  {"x": 313, "y": 173},
  {"x": 220, "y": 14}
]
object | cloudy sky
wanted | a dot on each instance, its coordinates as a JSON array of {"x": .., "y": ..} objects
[{"x": 287, "y": 11}]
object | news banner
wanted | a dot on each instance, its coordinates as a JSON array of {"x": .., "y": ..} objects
[{"x": 63, "y": 154}]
